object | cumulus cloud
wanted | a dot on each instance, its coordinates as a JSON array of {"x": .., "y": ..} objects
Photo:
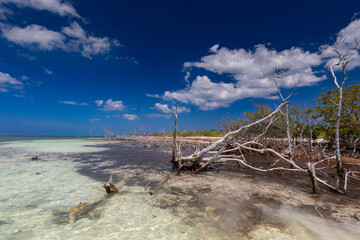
[
  {"x": 59, "y": 7},
  {"x": 73, "y": 103},
  {"x": 74, "y": 30},
  {"x": 246, "y": 71},
  {"x": 208, "y": 95},
  {"x": 33, "y": 36},
  {"x": 187, "y": 76},
  {"x": 110, "y": 105},
  {"x": 165, "y": 108},
  {"x": 247, "y": 67},
  {"x": 346, "y": 40},
  {"x": 72, "y": 39},
  {"x": 130, "y": 116},
  {"x": 153, "y": 95},
  {"x": 99, "y": 102},
  {"x": 7, "y": 81}
]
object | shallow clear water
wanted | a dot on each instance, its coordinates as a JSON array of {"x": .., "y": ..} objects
[{"x": 37, "y": 197}]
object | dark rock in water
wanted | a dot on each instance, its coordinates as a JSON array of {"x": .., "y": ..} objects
[
  {"x": 4, "y": 222},
  {"x": 30, "y": 206},
  {"x": 35, "y": 158}
]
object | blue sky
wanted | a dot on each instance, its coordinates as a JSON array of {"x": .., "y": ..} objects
[{"x": 70, "y": 66}]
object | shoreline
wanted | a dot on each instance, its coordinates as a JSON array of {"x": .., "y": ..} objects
[{"x": 282, "y": 188}]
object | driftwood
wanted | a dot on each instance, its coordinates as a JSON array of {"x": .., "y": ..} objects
[
  {"x": 110, "y": 187},
  {"x": 84, "y": 209},
  {"x": 159, "y": 186},
  {"x": 174, "y": 158}
]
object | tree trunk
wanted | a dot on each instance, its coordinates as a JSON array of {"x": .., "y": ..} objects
[
  {"x": 174, "y": 161},
  {"x": 339, "y": 165},
  {"x": 312, "y": 175}
]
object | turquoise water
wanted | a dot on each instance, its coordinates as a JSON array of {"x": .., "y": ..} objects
[{"x": 37, "y": 197}]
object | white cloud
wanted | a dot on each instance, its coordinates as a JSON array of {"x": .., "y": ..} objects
[
  {"x": 346, "y": 39},
  {"x": 181, "y": 109},
  {"x": 7, "y": 81},
  {"x": 247, "y": 67},
  {"x": 111, "y": 105},
  {"x": 117, "y": 43},
  {"x": 59, "y": 7},
  {"x": 48, "y": 71},
  {"x": 99, "y": 102},
  {"x": 153, "y": 95},
  {"x": 3, "y": 90},
  {"x": 74, "y": 30},
  {"x": 94, "y": 46},
  {"x": 18, "y": 95},
  {"x": 73, "y": 103},
  {"x": 130, "y": 116},
  {"x": 187, "y": 76},
  {"x": 24, "y": 77},
  {"x": 156, "y": 115},
  {"x": 208, "y": 95},
  {"x": 34, "y": 36},
  {"x": 245, "y": 71},
  {"x": 72, "y": 38},
  {"x": 165, "y": 108}
]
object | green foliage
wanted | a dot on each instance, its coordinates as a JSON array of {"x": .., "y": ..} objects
[
  {"x": 189, "y": 133},
  {"x": 200, "y": 132},
  {"x": 350, "y": 115},
  {"x": 277, "y": 129},
  {"x": 317, "y": 123}
]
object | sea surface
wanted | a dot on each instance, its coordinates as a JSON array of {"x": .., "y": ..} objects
[{"x": 40, "y": 199}]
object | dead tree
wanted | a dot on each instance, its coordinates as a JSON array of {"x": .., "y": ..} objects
[
  {"x": 278, "y": 72},
  {"x": 344, "y": 58},
  {"x": 355, "y": 142},
  {"x": 174, "y": 148},
  {"x": 175, "y": 156},
  {"x": 198, "y": 161}
]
